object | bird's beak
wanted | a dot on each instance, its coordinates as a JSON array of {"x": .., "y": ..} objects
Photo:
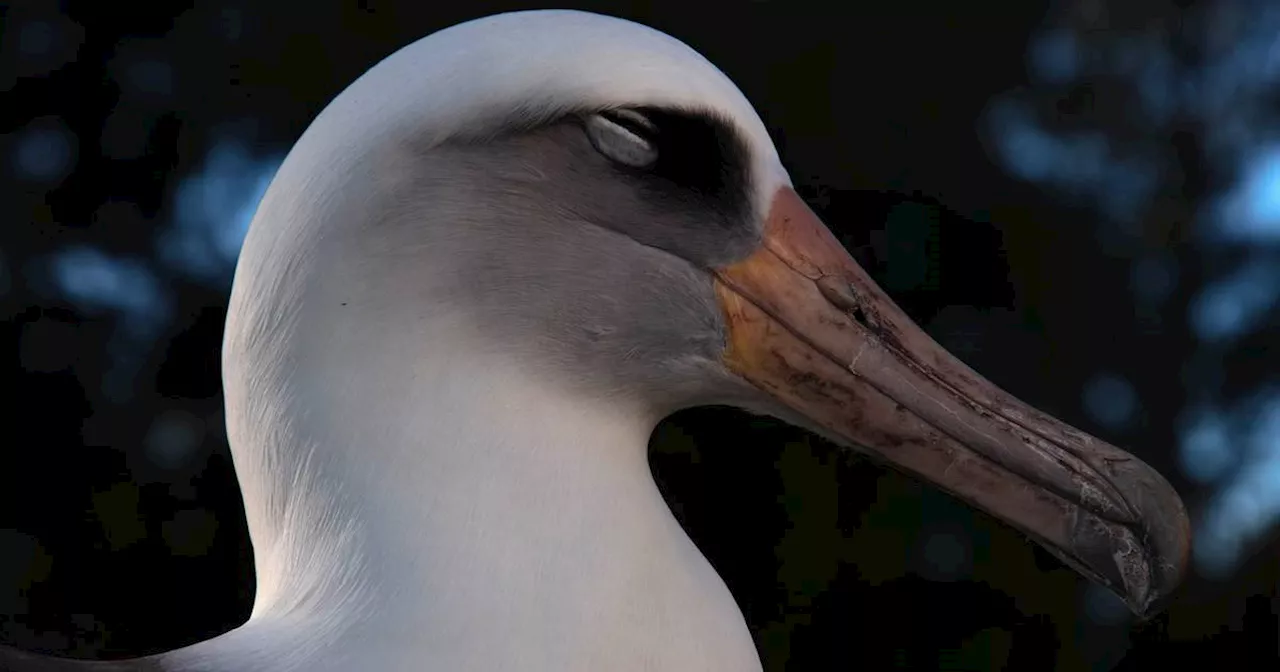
[{"x": 809, "y": 327}]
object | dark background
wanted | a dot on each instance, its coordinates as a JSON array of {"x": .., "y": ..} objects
[{"x": 1080, "y": 199}]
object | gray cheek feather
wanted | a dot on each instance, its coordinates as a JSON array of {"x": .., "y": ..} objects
[{"x": 554, "y": 255}]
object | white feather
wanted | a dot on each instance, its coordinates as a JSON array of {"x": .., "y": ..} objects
[{"x": 443, "y": 511}]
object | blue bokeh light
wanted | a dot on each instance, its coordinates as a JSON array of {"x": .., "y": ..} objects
[
  {"x": 1247, "y": 505},
  {"x": 1054, "y": 57},
  {"x": 96, "y": 282},
  {"x": 1207, "y": 450},
  {"x": 1110, "y": 400},
  {"x": 212, "y": 212},
  {"x": 1233, "y": 306},
  {"x": 1250, "y": 213},
  {"x": 44, "y": 152},
  {"x": 1080, "y": 165},
  {"x": 1103, "y": 607}
]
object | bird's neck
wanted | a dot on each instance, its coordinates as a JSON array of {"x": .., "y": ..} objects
[{"x": 481, "y": 521}]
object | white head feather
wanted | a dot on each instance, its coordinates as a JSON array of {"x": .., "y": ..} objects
[{"x": 350, "y": 516}]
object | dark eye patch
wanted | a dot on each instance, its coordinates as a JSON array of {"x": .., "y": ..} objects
[
  {"x": 702, "y": 162},
  {"x": 695, "y": 152},
  {"x": 702, "y": 159},
  {"x": 694, "y": 200}
]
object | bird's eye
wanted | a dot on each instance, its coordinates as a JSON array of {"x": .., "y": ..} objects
[{"x": 625, "y": 136}]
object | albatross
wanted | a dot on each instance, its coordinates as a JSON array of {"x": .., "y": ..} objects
[{"x": 479, "y": 280}]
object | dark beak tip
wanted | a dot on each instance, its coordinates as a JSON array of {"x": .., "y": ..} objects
[
  {"x": 1153, "y": 609},
  {"x": 1143, "y": 562},
  {"x": 1165, "y": 533},
  {"x": 1168, "y": 532}
]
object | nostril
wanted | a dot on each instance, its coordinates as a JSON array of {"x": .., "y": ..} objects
[
  {"x": 860, "y": 316},
  {"x": 841, "y": 295}
]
